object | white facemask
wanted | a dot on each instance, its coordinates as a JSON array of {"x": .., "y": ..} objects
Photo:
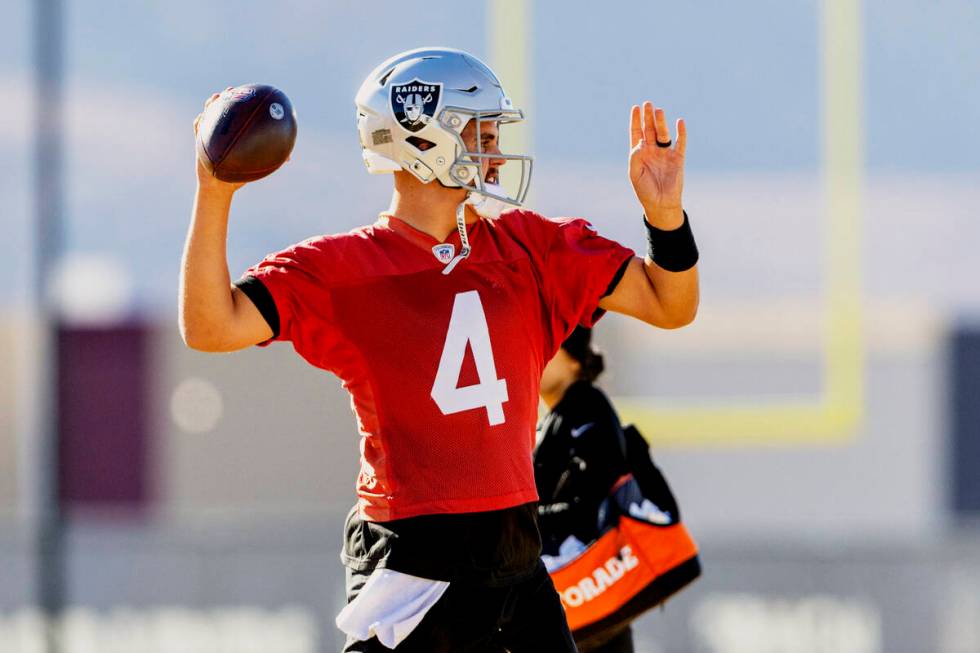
[{"x": 488, "y": 207}]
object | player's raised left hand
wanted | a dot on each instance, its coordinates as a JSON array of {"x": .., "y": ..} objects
[{"x": 656, "y": 165}]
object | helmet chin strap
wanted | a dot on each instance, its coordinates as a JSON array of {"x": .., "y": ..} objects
[
  {"x": 464, "y": 242},
  {"x": 486, "y": 207}
]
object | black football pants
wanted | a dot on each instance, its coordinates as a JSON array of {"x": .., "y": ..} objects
[{"x": 523, "y": 618}]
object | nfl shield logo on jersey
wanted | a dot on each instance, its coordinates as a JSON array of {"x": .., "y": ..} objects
[
  {"x": 444, "y": 252},
  {"x": 414, "y": 103}
]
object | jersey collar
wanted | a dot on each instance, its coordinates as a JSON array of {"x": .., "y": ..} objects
[{"x": 424, "y": 240}]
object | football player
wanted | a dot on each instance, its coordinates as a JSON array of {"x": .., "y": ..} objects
[{"x": 438, "y": 318}]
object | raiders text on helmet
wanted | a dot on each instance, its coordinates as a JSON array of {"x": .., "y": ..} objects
[{"x": 412, "y": 108}]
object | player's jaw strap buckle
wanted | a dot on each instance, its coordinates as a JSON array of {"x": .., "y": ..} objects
[{"x": 464, "y": 241}]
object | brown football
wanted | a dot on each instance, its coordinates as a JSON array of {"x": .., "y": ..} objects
[{"x": 246, "y": 133}]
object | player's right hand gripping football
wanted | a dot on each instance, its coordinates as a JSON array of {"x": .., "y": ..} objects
[{"x": 205, "y": 180}]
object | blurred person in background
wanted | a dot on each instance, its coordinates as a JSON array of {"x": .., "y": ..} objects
[
  {"x": 611, "y": 528},
  {"x": 439, "y": 318}
]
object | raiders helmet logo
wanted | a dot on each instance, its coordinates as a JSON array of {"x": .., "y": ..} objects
[{"x": 414, "y": 103}]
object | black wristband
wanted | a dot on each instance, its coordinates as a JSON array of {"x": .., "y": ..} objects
[{"x": 674, "y": 250}]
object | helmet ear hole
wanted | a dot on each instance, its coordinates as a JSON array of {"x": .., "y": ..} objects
[{"x": 420, "y": 143}]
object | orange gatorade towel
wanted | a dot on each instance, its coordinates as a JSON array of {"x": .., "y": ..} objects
[
  {"x": 633, "y": 567},
  {"x": 643, "y": 555}
]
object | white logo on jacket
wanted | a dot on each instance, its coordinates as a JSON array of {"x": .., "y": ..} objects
[{"x": 582, "y": 429}]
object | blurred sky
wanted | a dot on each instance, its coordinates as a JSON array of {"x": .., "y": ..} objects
[{"x": 745, "y": 75}]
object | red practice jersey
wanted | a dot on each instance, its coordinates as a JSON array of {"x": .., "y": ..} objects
[{"x": 443, "y": 369}]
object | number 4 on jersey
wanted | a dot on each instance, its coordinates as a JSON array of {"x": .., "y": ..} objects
[{"x": 468, "y": 324}]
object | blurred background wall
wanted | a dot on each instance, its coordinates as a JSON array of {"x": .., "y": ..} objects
[{"x": 205, "y": 493}]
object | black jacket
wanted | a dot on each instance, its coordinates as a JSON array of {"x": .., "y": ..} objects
[{"x": 582, "y": 451}]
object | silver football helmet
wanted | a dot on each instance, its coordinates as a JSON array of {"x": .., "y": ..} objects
[{"x": 412, "y": 108}]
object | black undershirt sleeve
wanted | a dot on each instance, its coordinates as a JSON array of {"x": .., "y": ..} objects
[
  {"x": 256, "y": 291},
  {"x": 617, "y": 277}
]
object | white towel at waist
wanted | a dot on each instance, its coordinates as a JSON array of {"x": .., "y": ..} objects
[{"x": 389, "y": 606}]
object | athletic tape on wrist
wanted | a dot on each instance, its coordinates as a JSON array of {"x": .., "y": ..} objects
[{"x": 674, "y": 250}]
